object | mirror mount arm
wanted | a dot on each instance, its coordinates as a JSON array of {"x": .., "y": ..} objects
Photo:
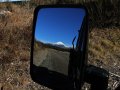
[
  {"x": 73, "y": 42},
  {"x": 97, "y": 77}
]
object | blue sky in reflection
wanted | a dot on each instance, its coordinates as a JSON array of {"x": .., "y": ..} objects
[{"x": 58, "y": 25}]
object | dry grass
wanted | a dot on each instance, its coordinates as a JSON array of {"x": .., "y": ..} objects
[
  {"x": 104, "y": 51},
  {"x": 103, "y": 13},
  {"x": 15, "y": 41},
  {"x": 104, "y": 46},
  {"x": 15, "y": 44}
]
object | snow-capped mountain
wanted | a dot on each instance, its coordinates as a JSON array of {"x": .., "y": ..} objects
[{"x": 59, "y": 44}]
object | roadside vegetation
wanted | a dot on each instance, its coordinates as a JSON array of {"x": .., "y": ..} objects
[{"x": 16, "y": 32}]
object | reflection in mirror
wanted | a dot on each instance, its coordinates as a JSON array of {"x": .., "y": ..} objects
[{"x": 55, "y": 31}]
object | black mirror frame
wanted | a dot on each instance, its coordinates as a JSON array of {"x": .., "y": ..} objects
[{"x": 85, "y": 33}]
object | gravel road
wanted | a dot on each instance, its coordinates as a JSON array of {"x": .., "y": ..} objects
[{"x": 52, "y": 59}]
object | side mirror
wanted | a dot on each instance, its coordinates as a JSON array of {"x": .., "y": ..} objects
[{"x": 59, "y": 46}]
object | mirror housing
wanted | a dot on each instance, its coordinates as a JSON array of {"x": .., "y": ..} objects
[{"x": 77, "y": 62}]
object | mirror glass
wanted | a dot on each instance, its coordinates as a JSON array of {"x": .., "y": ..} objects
[{"x": 55, "y": 30}]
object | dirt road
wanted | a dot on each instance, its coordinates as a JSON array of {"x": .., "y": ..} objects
[{"x": 52, "y": 59}]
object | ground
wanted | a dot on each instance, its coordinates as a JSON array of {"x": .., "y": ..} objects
[{"x": 15, "y": 46}]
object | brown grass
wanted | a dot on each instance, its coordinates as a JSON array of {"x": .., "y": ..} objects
[
  {"x": 15, "y": 44},
  {"x": 15, "y": 40},
  {"x": 102, "y": 44}
]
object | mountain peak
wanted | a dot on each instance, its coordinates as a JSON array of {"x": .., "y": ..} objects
[{"x": 60, "y": 43}]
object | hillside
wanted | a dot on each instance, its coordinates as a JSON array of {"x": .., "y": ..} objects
[
  {"x": 39, "y": 44},
  {"x": 15, "y": 44}
]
